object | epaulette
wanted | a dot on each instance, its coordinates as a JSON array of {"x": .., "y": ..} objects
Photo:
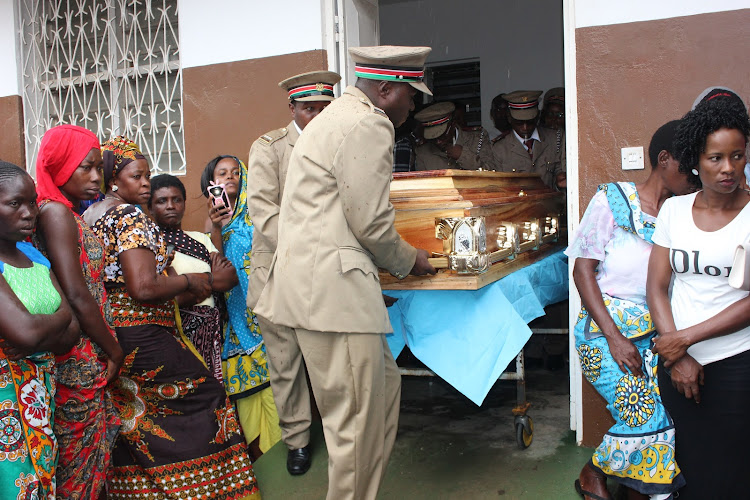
[
  {"x": 374, "y": 108},
  {"x": 273, "y": 136}
]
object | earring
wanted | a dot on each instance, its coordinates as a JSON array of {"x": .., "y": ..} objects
[
  {"x": 694, "y": 171},
  {"x": 115, "y": 188}
]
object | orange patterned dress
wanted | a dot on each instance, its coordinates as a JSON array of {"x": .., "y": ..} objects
[{"x": 180, "y": 437}]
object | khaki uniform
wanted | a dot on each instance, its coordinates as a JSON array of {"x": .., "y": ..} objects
[
  {"x": 335, "y": 230},
  {"x": 267, "y": 167},
  {"x": 476, "y": 153},
  {"x": 549, "y": 155}
]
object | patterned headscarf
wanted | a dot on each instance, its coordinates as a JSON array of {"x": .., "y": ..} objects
[
  {"x": 62, "y": 150},
  {"x": 117, "y": 153}
]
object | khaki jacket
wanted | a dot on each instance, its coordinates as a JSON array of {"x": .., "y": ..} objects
[
  {"x": 266, "y": 170},
  {"x": 336, "y": 224},
  {"x": 476, "y": 153},
  {"x": 549, "y": 158}
]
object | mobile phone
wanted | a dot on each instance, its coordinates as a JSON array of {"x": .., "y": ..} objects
[{"x": 219, "y": 195}]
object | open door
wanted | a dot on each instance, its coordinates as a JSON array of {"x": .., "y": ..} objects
[{"x": 349, "y": 23}]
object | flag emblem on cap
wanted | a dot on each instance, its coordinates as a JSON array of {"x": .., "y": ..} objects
[
  {"x": 311, "y": 90},
  {"x": 378, "y": 72},
  {"x": 524, "y": 105},
  {"x": 439, "y": 121}
]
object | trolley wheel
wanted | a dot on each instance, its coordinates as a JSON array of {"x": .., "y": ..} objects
[{"x": 524, "y": 431}]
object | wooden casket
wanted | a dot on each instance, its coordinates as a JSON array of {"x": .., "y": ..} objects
[{"x": 479, "y": 226}]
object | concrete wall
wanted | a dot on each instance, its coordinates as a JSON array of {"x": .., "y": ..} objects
[
  {"x": 231, "y": 68},
  {"x": 518, "y": 43},
  {"x": 637, "y": 68},
  {"x": 229, "y": 105},
  {"x": 11, "y": 105}
]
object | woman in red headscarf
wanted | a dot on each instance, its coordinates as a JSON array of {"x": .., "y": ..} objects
[{"x": 69, "y": 170}]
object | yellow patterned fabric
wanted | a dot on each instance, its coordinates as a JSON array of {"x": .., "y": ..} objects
[{"x": 259, "y": 418}]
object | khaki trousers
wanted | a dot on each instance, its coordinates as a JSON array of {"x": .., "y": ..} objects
[
  {"x": 357, "y": 386},
  {"x": 289, "y": 383}
]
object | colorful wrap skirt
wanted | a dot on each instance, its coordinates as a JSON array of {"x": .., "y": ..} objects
[
  {"x": 639, "y": 450},
  {"x": 180, "y": 437},
  {"x": 86, "y": 422},
  {"x": 28, "y": 448},
  {"x": 202, "y": 326}
]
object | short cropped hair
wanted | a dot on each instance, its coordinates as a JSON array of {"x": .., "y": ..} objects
[
  {"x": 663, "y": 140},
  {"x": 165, "y": 181},
  {"x": 10, "y": 171}
]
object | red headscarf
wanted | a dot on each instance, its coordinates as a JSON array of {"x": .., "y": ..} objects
[{"x": 63, "y": 149}]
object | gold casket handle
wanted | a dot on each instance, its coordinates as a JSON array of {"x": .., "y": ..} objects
[{"x": 439, "y": 262}]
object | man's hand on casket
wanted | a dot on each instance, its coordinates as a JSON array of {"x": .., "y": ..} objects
[{"x": 422, "y": 265}]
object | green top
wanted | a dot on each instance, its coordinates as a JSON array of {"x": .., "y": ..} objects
[{"x": 33, "y": 287}]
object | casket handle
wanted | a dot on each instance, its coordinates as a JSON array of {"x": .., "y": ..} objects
[{"x": 439, "y": 262}]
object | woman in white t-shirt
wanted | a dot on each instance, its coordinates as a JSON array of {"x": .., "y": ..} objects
[
  {"x": 704, "y": 324},
  {"x": 194, "y": 253}
]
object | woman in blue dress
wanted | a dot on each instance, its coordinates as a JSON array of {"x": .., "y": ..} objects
[
  {"x": 614, "y": 330},
  {"x": 244, "y": 358}
]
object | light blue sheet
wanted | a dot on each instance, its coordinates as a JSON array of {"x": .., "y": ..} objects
[{"x": 469, "y": 337}]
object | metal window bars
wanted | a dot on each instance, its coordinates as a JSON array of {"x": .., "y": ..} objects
[{"x": 111, "y": 66}]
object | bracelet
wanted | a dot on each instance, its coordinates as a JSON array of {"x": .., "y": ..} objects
[
  {"x": 187, "y": 280},
  {"x": 210, "y": 278}
]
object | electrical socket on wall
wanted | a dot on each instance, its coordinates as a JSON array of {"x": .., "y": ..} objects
[{"x": 632, "y": 158}]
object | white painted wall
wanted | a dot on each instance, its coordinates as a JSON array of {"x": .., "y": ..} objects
[
  {"x": 519, "y": 43},
  {"x": 599, "y": 13},
  {"x": 219, "y": 31},
  {"x": 9, "y": 55}
]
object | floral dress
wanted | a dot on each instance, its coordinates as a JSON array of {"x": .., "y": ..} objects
[
  {"x": 180, "y": 437},
  {"x": 638, "y": 451},
  {"x": 86, "y": 422},
  {"x": 28, "y": 448}
]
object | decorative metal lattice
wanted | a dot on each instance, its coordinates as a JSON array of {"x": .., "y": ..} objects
[{"x": 111, "y": 66}]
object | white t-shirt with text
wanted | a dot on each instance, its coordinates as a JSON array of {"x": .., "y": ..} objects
[{"x": 701, "y": 261}]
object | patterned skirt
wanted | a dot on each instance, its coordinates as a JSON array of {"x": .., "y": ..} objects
[
  {"x": 202, "y": 326},
  {"x": 180, "y": 437},
  {"x": 639, "y": 450},
  {"x": 86, "y": 422},
  {"x": 28, "y": 448}
]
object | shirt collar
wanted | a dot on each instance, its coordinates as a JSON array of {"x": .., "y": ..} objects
[
  {"x": 534, "y": 136},
  {"x": 299, "y": 130}
]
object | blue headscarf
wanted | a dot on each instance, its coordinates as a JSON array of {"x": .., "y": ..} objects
[{"x": 242, "y": 333}]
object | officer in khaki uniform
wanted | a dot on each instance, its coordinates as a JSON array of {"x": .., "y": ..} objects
[
  {"x": 447, "y": 145},
  {"x": 308, "y": 94},
  {"x": 530, "y": 148},
  {"x": 335, "y": 231}
]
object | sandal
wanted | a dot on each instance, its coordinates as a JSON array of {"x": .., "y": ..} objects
[{"x": 584, "y": 494}]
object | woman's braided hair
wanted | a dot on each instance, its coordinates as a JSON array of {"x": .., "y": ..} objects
[
  {"x": 10, "y": 171},
  {"x": 695, "y": 127}
]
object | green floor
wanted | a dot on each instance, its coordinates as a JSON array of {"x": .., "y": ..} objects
[{"x": 448, "y": 448}]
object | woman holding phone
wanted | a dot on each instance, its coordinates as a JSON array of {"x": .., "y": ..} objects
[{"x": 244, "y": 358}]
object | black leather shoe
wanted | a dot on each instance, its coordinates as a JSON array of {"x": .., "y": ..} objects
[{"x": 298, "y": 461}]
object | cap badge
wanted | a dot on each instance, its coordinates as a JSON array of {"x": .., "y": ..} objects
[{"x": 319, "y": 87}]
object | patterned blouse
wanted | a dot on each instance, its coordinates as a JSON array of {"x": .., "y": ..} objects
[
  {"x": 622, "y": 255},
  {"x": 126, "y": 227}
]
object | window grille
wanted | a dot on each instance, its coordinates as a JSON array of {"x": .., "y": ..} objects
[
  {"x": 458, "y": 82},
  {"x": 111, "y": 66}
]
